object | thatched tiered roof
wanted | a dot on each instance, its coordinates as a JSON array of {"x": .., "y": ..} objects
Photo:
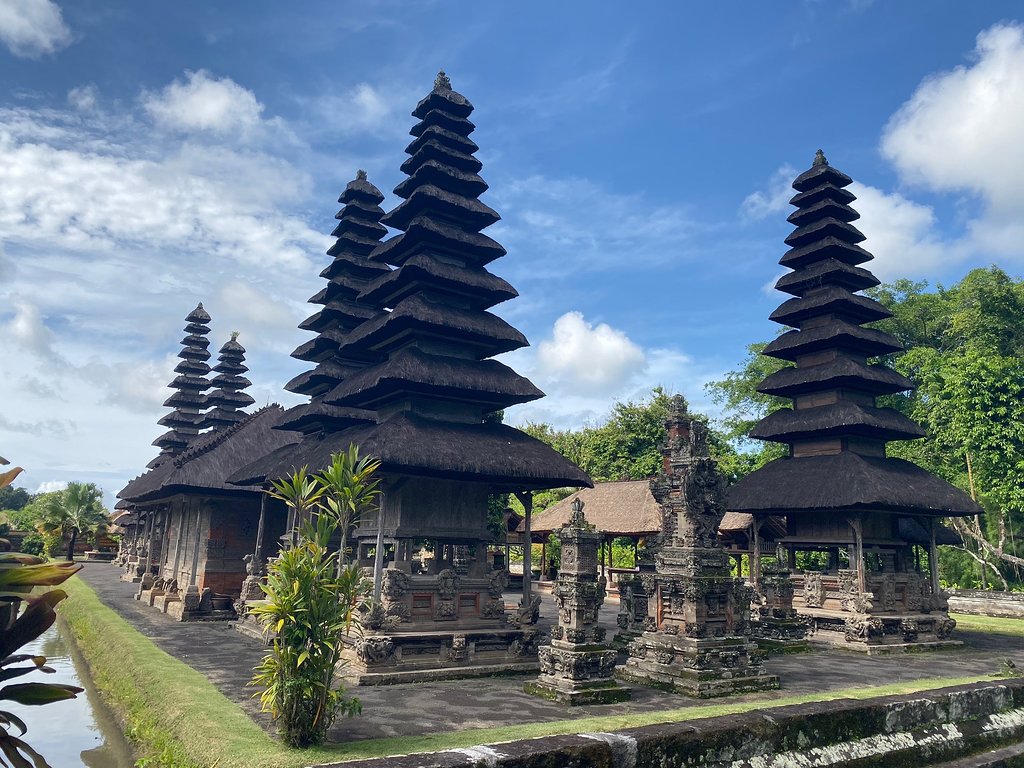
[
  {"x": 188, "y": 401},
  {"x": 211, "y": 458},
  {"x": 343, "y": 309},
  {"x": 835, "y": 431},
  {"x": 429, "y": 384},
  {"x": 227, "y": 400}
]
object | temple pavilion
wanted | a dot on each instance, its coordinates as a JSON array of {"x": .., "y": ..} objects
[
  {"x": 862, "y": 527},
  {"x": 407, "y": 344},
  {"x": 192, "y": 528}
]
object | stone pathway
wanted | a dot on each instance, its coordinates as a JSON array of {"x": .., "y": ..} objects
[{"x": 227, "y": 659}]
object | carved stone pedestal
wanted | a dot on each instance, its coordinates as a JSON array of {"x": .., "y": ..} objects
[
  {"x": 577, "y": 667},
  {"x": 196, "y": 605},
  {"x": 899, "y": 614},
  {"x": 697, "y": 635},
  {"x": 632, "y": 614},
  {"x": 776, "y": 627}
]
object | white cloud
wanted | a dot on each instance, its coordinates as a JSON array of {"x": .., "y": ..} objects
[
  {"x": 31, "y": 28},
  {"x": 27, "y": 330},
  {"x": 774, "y": 198},
  {"x": 587, "y": 358},
  {"x": 380, "y": 109},
  {"x": 203, "y": 102},
  {"x": 48, "y": 486},
  {"x": 84, "y": 98}
]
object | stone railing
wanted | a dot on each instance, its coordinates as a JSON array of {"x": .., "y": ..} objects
[{"x": 985, "y": 603}]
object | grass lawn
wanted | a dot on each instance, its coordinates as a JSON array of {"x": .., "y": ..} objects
[
  {"x": 990, "y": 624},
  {"x": 178, "y": 719}
]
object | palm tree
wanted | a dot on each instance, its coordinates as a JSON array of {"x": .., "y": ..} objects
[{"x": 77, "y": 509}]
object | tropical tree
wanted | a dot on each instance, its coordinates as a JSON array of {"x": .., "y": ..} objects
[
  {"x": 349, "y": 492},
  {"x": 76, "y": 510},
  {"x": 302, "y": 493}
]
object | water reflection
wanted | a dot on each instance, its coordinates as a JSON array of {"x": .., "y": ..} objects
[{"x": 78, "y": 732}]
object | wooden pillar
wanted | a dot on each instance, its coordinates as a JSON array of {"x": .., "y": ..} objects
[
  {"x": 177, "y": 544},
  {"x": 194, "y": 572},
  {"x": 543, "y": 559},
  {"x": 378, "y": 555},
  {"x": 526, "y": 499},
  {"x": 258, "y": 552},
  {"x": 636, "y": 558},
  {"x": 755, "y": 553},
  {"x": 149, "y": 540},
  {"x": 933, "y": 556},
  {"x": 858, "y": 548}
]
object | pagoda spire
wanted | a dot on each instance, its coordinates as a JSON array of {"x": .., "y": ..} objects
[
  {"x": 227, "y": 401},
  {"x": 188, "y": 401},
  {"x": 832, "y": 386},
  {"x": 358, "y": 233},
  {"x": 434, "y": 342}
]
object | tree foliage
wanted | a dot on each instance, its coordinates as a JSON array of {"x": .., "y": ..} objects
[{"x": 69, "y": 513}]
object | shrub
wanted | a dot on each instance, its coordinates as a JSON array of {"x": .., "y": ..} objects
[
  {"x": 309, "y": 605},
  {"x": 33, "y": 544}
]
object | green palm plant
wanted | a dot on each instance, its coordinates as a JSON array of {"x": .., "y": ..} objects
[
  {"x": 76, "y": 510},
  {"x": 19, "y": 575},
  {"x": 302, "y": 493},
  {"x": 308, "y": 606},
  {"x": 349, "y": 492}
]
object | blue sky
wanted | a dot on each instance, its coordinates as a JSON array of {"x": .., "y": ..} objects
[{"x": 156, "y": 154}]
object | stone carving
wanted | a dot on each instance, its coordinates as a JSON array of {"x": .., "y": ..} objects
[
  {"x": 458, "y": 650},
  {"x": 497, "y": 582},
  {"x": 575, "y": 668},
  {"x": 529, "y": 614},
  {"x": 814, "y": 591},
  {"x": 696, "y": 637},
  {"x": 374, "y": 650},
  {"x": 913, "y": 594},
  {"x": 445, "y": 610},
  {"x": 447, "y": 583}
]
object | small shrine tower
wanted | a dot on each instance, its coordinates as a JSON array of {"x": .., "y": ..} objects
[
  {"x": 227, "y": 401},
  {"x": 863, "y": 514}
]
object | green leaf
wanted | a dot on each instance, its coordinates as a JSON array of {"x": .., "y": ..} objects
[{"x": 37, "y": 694}]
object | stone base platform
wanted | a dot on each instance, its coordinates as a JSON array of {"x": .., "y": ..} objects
[
  {"x": 596, "y": 693},
  {"x": 250, "y": 626},
  {"x": 780, "y": 635},
  {"x": 877, "y": 635},
  {"x": 383, "y": 659},
  {"x": 703, "y": 668}
]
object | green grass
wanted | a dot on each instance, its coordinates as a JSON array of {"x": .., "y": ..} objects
[
  {"x": 999, "y": 626},
  {"x": 178, "y": 719}
]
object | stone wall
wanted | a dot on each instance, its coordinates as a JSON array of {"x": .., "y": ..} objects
[
  {"x": 920, "y": 729},
  {"x": 985, "y": 603}
]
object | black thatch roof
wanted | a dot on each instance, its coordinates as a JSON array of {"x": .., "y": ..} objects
[
  {"x": 845, "y": 372},
  {"x": 186, "y": 418},
  {"x": 847, "y": 482},
  {"x": 484, "y": 382},
  {"x": 835, "y": 299},
  {"x": 407, "y": 444},
  {"x": 842, "y": 418},
  {"x": 316, "y": 415},
  {"x": 475, "y": 284},
  {"x": 836, "y": 334},
  {"x": 210, "y": 459},
  {"x": 226, "y": 402},
  {"x": 826, "y": 272}
]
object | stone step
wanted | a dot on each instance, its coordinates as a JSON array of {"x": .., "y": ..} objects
[{"x": 1007, "y": 757}]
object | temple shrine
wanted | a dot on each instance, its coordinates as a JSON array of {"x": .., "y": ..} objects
[{"x": 857, "y": 519}]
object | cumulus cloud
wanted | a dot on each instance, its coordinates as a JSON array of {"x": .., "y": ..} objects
[
  {"x": 28, "y": 330},
  {"x": 84, "y": 98},
  {"x": 32, "y": 28},
  {"x": 587, "y": 358},
  {"x": 960, "y": 132},
  {"x": 773, "y": 199},
  {"x": 202, "y": 102},
  {"x": 48, "y": 486},
  {"x": 380, "y": 109}
]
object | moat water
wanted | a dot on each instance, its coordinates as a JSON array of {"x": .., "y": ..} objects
[{"x": 76, "y": 732}]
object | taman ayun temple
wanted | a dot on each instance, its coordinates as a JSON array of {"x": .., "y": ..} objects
[
  {"x": 404, "y": 343},
  {"x": 871, "y": 519}
]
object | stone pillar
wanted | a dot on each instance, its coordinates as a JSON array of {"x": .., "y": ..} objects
[
  {"x": 777, "y": 627},
  {"x": 577, "y": 667},
  {"x": 147, "y": 569},
  {"x": 192, "y": 596},
  {"x": 697, "y": 639},
  {"x": 172, "y": 584},
  {"x": 254, "y": 565}
]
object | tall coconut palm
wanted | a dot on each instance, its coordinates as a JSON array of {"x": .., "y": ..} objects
[{"x": 77, "y": 509}]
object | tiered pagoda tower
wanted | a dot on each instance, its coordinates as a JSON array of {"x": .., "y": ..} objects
[
  {"x": 188, "y": 401},
  {"x": 428, "y": 393},
  {"x": 843, "y": 498},
  {"x": 227, "y": 401},
  {"x": 358, "y": 232}
]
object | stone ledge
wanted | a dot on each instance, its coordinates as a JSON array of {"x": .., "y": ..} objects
[{"x": 921, "y": 729}]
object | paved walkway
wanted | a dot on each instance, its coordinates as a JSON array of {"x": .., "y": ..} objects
[{"x": 227, "y": 659}]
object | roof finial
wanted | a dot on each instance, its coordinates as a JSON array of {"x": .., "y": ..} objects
[
  {"x": 234, "y": 335},
  {"x": 360, "y": 175},
  {"x": 200, "y": 305},
  {"x": 576, "y": 519},
  {"x": 819, "y": 159},
  {"x": 441, "y": 82}
]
